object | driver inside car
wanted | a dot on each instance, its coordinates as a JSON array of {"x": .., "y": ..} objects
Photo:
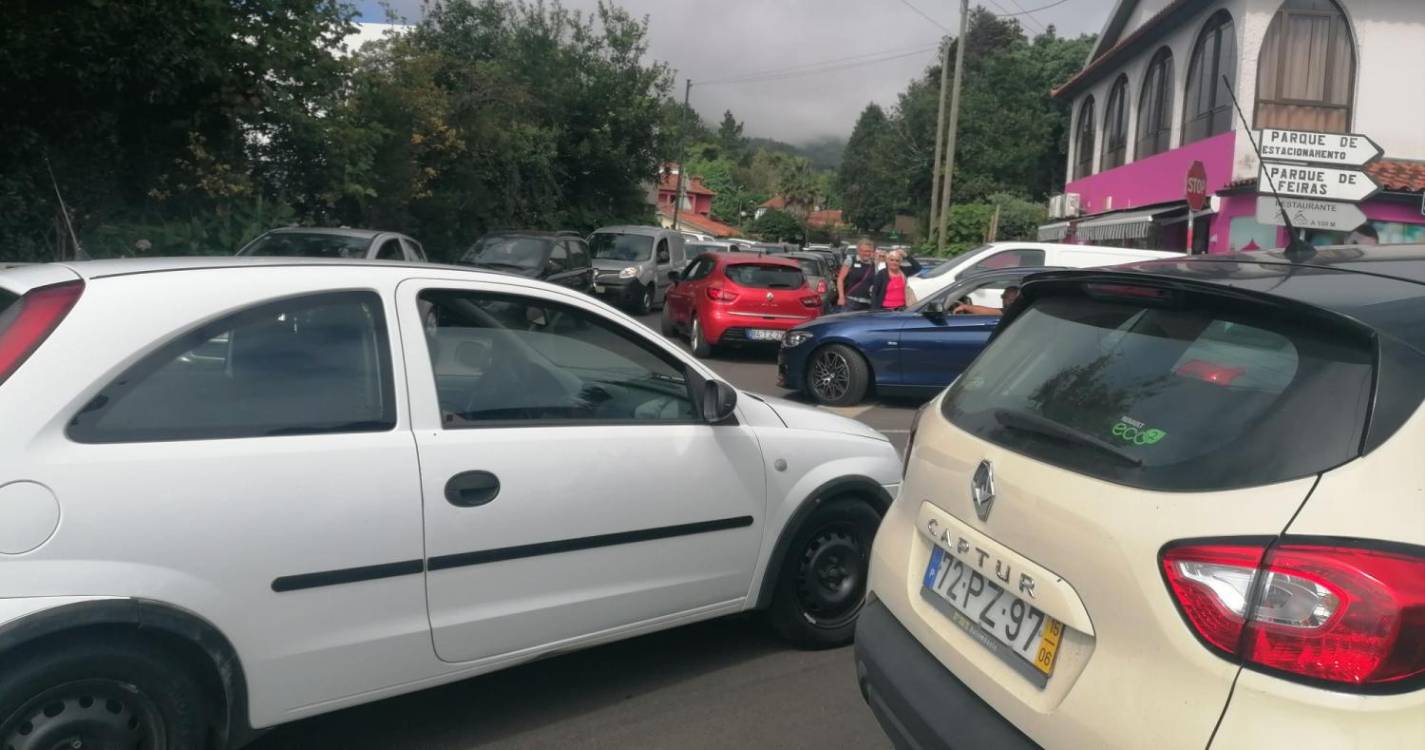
[{"x": 1011, "y": 293}]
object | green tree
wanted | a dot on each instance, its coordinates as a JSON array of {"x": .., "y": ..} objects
[
  {"x": 870, "y": 187},
  {"x": 729, "y": 135},
  {"x": 780, "y": 226}
]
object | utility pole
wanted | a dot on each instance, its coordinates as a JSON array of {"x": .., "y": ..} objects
[
  {"x": 939, "y": 137},
  {"x": 949, "y": 170},
  {"x": 682, "y": 144}
]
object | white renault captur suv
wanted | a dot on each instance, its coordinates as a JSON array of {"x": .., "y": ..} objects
[
  {"x": 235, "y": 492},
  {"x": 1178, "y": 504}
]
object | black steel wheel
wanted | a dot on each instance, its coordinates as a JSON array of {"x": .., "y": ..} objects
[
  {"x": 823, "y": 577},
  {"x": 837, "y": 375},
  {"x": 115, "y": 694},
  {"x": 645, "y": 302}
]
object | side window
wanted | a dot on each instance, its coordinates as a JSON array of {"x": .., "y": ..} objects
[
  {"x": 504, "y": 360},
  {"x": 391, "y": 250},
  {"x": 307, "y": 365},
  {"x": 558, "y": 258},
  {"x": 1011, "y": 259},
  {"x": 664, "y": 257},
  {"x": 700, "y": 268},
  {"x": 578, "y": 254},
  {"x": 987, "y": 293}
]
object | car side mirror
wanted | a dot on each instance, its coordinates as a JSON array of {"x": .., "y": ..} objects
[
  {"x": 673, "y": 276},
  {"x": 935, "y": 308},
  {"x": 719, "y": 401}
]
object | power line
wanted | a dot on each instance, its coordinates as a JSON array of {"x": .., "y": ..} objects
[
  {"x": 1027, "y": 17},
  {"x": 926, "y": 16},
  {"x": 825, "y": 66},
  {"x": 1023, "y": 12}
]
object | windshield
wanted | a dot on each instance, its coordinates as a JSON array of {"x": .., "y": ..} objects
[
  {"x": 954, "y": 263},
  {"x": 508, "y": 252},
  {"x": 1197, "y": 394},
  {"x": 307, "y": 245},
  {"x": 809, "y": 267},
  {"x": 611, "y": 246},
  {"x": 765, "y": 277}
]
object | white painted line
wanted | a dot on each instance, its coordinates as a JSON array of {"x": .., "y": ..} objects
[{"x": 895, "y": 432}]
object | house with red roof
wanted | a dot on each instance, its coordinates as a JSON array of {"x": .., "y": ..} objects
[
  {"x": 1155, "y": 98},
  {"x": 695, "y": 214}
]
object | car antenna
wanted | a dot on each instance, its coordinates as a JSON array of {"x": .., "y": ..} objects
[
  {"x": 79, "y": 253},
  {"x": 1296, "y": 248}
]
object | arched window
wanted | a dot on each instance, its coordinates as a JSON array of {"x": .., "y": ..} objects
[
  {"x": 1155, "y": 106},
  {"x": 1083, "y": 141},
  {"x": 1207, "y": 110},
  {"x": 1307, "y": 70},
  {"x": 1115, "y": 126}
]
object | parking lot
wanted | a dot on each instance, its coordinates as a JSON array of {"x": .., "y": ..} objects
[{"x": 723, "y": 683}]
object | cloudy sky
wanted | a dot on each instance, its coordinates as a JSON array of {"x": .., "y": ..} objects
[{"x": 713, "y": 40}]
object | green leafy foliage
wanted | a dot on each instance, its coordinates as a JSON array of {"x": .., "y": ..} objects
[
  {"x": 870, "y": 182},
  {"x": 779, "y": 226}
]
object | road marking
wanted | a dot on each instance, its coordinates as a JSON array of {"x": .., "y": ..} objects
[{"x": 895, "y": 432}]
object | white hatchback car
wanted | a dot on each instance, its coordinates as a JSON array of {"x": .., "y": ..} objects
[
  {"x": 1000, "y": 255},
  {"x": 236, "y": 492},
  {"x": 1177, "y": 504}
]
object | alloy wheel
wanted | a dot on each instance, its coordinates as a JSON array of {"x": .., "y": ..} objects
[
  {"x": 830, "y": 376},
  {"x": 85, "y": 715}
]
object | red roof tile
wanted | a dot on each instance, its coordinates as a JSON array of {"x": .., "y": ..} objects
[
  {"x": 700, "y": 223},
  {"x": 776, "y": 201},
  {"x": 828, "y": 218},
  {"x": 1399, "y": 176},
  {"x": 694, "y": 186}
]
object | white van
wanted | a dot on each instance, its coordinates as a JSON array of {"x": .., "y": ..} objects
[{"x": 1013, "y": 254}]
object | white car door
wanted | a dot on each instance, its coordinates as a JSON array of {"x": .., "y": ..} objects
[{"x": 569, "y": 489}]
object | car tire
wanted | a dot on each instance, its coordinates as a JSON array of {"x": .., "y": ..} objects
[
  {"x": 837, "y": 375},
  {"x": 698, "y": 341},
  {"x": 644, "y": 305},
  {"x": 822, "y": 582},
  {"x": 114, "y": 692},
  {"x": 666, "y": 324}
]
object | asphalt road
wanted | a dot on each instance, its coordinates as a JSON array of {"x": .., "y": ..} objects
[{"x": 726, "y": 683}]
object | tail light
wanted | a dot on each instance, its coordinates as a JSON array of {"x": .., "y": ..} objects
[
  {"x": 35, "y": 316},
  {"x": 812, "y": 301},
  {"x": 718, "y": 294},
  {"x": 910, "y": 441},
  {"x": 1338, "y": 613}
]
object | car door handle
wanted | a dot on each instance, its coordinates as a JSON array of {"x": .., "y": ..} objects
[{"x": 469, "y": 489}]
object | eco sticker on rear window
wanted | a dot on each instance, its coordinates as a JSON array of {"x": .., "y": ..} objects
[{"x": 1133, "y": 431}]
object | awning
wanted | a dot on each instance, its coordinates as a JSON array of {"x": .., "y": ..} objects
[
  {"x": 1053, "y": 232},
  {"x": 1128, "y": 225}
]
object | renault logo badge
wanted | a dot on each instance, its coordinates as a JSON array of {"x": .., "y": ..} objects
[
  {"x": 770, "y": 297},
  {"x": 982, "y": 489}
]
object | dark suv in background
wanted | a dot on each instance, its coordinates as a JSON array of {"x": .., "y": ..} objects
[{"x": 557, "y": 257}]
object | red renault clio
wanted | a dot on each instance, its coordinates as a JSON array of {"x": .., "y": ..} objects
[{"x": 738, "y": 298}]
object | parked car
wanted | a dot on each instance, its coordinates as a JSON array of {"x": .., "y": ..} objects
[
  {"x": 838, "y": 359},
  {"x": 820, "y": 274},
  {"x": 296, "y": 486},
  {"x": 738, "y": 298},
  {"x": 343, "y": 242},
  {"x": 997, "y": 255},
  {"x": 1172, "y": 505},
  {"x": 633, "y": 264},
  {"x": 557, "y": 257},
  {"x": 773, "y": 248}
]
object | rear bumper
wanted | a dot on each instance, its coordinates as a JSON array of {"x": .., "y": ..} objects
[
  {"x": 723, "y": 327},
  {"x": 918, "y": 702}
]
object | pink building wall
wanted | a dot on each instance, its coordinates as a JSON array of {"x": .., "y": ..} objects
[{"x": 1161, "y": 178}]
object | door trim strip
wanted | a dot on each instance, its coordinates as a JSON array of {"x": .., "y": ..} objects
[
  {"x": 501, "y": 554},
  {"x": 463, "y": 559}
]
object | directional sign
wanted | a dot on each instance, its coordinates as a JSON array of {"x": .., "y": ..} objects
[
  {"x": 1335, "y": 149},
  {"x": 1322, "y": 183},
  {"x": 1308, "y": 214}
]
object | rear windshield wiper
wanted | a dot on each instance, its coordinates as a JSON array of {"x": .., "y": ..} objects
[{"x": 1021, "y": 421}]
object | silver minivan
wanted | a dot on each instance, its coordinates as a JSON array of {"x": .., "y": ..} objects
[{"x": 631, "y": 264}]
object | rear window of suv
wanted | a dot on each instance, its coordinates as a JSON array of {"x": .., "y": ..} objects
[
  {"x": 1200, "y": 395},
  {"x": 765, "y": 277}
]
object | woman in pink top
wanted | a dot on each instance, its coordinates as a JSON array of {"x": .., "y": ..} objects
[{"x": 889, "y": 290}]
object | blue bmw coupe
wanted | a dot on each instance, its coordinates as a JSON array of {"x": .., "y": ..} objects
[{"x": 838, "y": 359}]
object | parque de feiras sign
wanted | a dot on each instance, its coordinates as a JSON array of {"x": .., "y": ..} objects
[
  {"x": 1309, "y": 214},
  {"x": 1332, "y": 149},
  {"x": 1322, "y": 183}
]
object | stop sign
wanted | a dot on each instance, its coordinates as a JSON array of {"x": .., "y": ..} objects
[{"x": 1197, "y": 186}]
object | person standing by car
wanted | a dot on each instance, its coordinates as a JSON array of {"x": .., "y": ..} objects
[
  {"x": 853, "y": 284},
  {"x": 888, "y": 290}
]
